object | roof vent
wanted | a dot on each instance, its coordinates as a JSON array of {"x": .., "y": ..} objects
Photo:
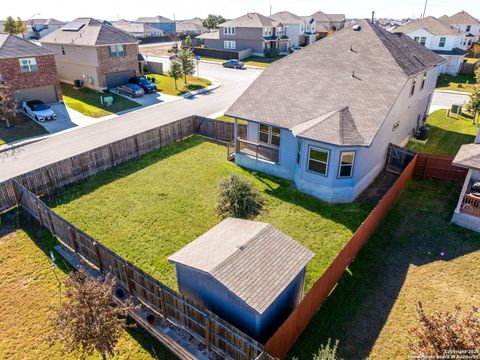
[{"x": 356, "y": 28}]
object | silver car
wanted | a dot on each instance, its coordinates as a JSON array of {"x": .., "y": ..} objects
[
  {"x": 234, "y": 64},
  {"x": 38, "y": 110}
]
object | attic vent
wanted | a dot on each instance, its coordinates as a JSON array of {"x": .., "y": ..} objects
[{"x": 356, "y": 28}]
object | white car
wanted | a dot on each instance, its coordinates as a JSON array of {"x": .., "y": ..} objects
[{"x": 38, "y": 110}]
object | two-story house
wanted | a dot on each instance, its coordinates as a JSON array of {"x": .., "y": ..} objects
[
  {"x": 137, "y": 29},
  {"x": 29, "y": 69},
  {"x": 324, "y": 117},
  {"x": 95, "y": 52},
  {"x": 160, "y": 22},
  {"x": 300, "y": 30},
  {"x": 466, "y": 23},
  {"x": 327, "y": 22},
  {"x": 251, "y": 31},
  {"x": 440, "y": 37},
  {"x": 38, "y": 28}
]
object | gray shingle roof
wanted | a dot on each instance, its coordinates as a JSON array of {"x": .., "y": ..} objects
[
  {"x": 214, "y": 35},
  {"x": 316, "y": 85},
  {"x": 287, "y": 18},
  {"x": 254, "y": 20},
  {"x": 90, "y": 32},
  {"x": 135, "y": 27},
  {"x": 253, "y": 260},
  {"x": 461, "y": 18},
  {"x": 154, "y": 19},
  {"x": 433, "y": 25},
  {"x": 468, "y": 157},
  {"x": 12, "y": 46}
]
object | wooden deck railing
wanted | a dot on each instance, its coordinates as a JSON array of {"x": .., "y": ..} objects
[
  {"x": 258, "y": 151},
  {"x": 471, "y": 205}
]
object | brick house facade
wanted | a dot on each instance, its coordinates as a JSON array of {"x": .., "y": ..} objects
[{"x": 108, "y": 64}]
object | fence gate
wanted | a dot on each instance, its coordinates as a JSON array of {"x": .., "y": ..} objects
[{"x": 398, "y": 158}]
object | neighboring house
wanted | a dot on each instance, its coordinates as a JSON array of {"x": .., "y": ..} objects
[
  {"x": 191, "y": 27},
  {"x": 38, "y": 28},
  {"x": 328, "y": 129},
  {"x": 98, "y": 53},
  {"x": 247, "y": 272},
  {"x": 300, "y": 30},
  {"x": 327, "y": 22},
  {"x": 251, "y": 31},
  {"x": 466, "y": 23},
  {"x": 137, "y": 29},
  {"x": 467, "y": 212},
  {"x": 440, "y": 37},
  {"x": 29, "y": 69},
  {"x": 166, "y": 25}
]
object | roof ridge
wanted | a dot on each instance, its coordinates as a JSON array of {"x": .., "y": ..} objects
[{"x": 317, "y": 120}]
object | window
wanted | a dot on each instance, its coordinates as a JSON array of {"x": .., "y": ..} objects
[
  {"x": 423, "y": 40},
  {"x": 228, "y": 30},
  {"x": 269, "y": 135},
  {"x": 347, "y": 159},
  {"x": 299, "y": 151},
  {"x": 268, "y": 31},
  {"x": 28, "y": 65},
  {"x": 63, "y": 49},
  {"x": 424, "y": 78},
  {"x": 117, "y": 50},
  {"x": 442, "y": 42},
  {"x": 416, "y": 39},
  {"x": 468, "y": 28},
  {"x": 414, "y": 82},
  {"x": 229, "y": 44},
  {"x": 318, "y": 160}
]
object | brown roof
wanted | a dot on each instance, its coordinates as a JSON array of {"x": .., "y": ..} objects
[
  {"x": 287, "y": 18},
  {"x": 154, "y": 19},
  {"x": 135, "y": 27},
  {"x": 12, "y": 46},
  {"x": 339, "y": 89},
  {"x": 430, "y": 24},
  {"x": 253, "y": 260},
  {"x": 462, "y": 18},
  {"x": 254, "y": 20},
  {"x": 468, "y": 157},
  {"x": 214, "y": 35}
]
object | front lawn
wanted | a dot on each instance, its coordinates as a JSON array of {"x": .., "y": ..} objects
[
  {"x": 230, "y": 120},
  {"x": 261, "y": 61},
  {"x": 447, "y": 134},
  {"x": 463, "y": 83},
  {"x": 166, "y": 84},
  {"x": 373, "y": 306},
  {"x": 87, "y": 102},
  {"x": 22, "y": 128},
  {"x": 147, "y": 209}
]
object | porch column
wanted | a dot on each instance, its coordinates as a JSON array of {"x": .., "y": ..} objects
[{"x": 235, "y": 135}]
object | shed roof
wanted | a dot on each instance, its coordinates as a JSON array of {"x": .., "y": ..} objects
[
  {"x": 253, "y": 260},
  {"x": 12, "y": 46},
  {"x": 468, "y": 157}
]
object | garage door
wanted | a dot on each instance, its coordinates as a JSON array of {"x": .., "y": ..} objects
[
  {"x": 46, "y": 94},
  {"x": 118, "y": 78}
]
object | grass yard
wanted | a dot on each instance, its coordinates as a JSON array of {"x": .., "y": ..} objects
[
  {"x": 166, "y": 84},
  {"x": 373, "y": 306},
  {"x": 22, "y": 128},
  {"x": 463, "y": 83},
  {"x": 87, "y": 102},
  {"x": 28, "y": 288},
  {"x": 147, "y": 209},
  {"x": 259, "y": 61},
  {"x": 447, "y": 134},
  {"x": 230, "y": 120}
]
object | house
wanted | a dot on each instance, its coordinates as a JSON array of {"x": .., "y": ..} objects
[
  {"x": 166, "y": 25},
  {"x": 467, "y": 212},
  {"x": 324, "y": 117},
  {"x": 440, "y": 37},
  {"x": 326, "y": 22},
  {"x": 192, "y": 27},
  {"x": 247, "y": 272},
  {"x": 137, "y": 29},
  {"x": 29, "y": 69},
  {"x": 38, "y": 28},
  {"x": 95, "y": 52},
  {"x": 251, "y": 31},
  {"x": 466, "y": 23},
  {"x": 300, "y": 30}
]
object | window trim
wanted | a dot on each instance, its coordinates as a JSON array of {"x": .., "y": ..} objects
[
  {"x": 28, "y": 64},
  {"x": 440, "y": 43},
  {"x": 413, "y": 86},
  {"x": 270, "y": 127},
  {"x": 225, "y": 42},
  {"x": 354, "y": 152},
  {"x": 424, "y": 80},
  {"x": 229, "y": 30},
  {"x": 116, "y": 52},
  {"x": 310, "y": 147}
]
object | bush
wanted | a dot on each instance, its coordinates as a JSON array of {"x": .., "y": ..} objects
[
  {"x": 236, "y": 197},
  {"x": 271, "y": 52},
  {"x": 327, "y": 352}
]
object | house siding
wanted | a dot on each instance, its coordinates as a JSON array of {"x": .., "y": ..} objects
[{"x": 108, "y": 64}]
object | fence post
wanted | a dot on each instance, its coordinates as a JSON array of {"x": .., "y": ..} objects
[
  {"x": 207, "y": 333},
  {"x": 110, "y": 147},
  {"x": 99, "y": 258},
  {"x": 73, "y": 235},
  {"x": 39, "y": 214},
  {"x": 127, "y": 278},
  {"x": 135, "y": 140},
  {"x": 248, "y": 352},
  {"x": 49, "y": 217},
  {"x": 425, "y": 168},
  {"x": 163, "y": 303}
]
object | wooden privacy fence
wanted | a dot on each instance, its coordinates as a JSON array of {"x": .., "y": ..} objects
[
  {"x": 438, "y": 167},
  {"x": 287, "y": 334},
  {"x": 51, "y": 179},
  {"x": 216, "y": 334}
]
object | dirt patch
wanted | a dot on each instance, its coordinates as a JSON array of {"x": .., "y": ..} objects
[{"x": 374, "y": 193}]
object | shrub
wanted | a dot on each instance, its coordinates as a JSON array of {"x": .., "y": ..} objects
[
  {"x": 270, "y": 52},
  {"x": 236, "y": 197},
  {"x": 327, "y": 352}
]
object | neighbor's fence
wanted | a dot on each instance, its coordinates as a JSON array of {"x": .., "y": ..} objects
[
  {"x": 438, "y": 167},
  {"x": 53, "y": 178},
  {"x": 216, "y": 334},
  {"x": 287, "y": 334}
]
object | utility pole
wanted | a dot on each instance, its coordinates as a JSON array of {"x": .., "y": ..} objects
[
  {"x": 373, "y": 16},
  {"x": 270, "y": 10},
  {"x": 424, "y": 9}
]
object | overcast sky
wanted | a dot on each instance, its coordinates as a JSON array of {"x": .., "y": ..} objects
[{"x": 131, "y": 9}]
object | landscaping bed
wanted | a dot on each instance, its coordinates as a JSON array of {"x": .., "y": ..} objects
[
  {"x": 22, "y": 128},
  {"x": 166, "y": 84}
]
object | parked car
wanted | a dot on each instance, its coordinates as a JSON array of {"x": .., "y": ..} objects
[
  {"x": 38, "y": 110},
  {"x": 144, "y": 83},
  {"x": 234, "y": 64},
  {"x": 131, "y": 90}
]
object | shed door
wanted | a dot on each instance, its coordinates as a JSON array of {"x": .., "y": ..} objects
[{"x": 118, "y": 78}]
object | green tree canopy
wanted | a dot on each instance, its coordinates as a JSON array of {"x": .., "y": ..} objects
[
  {"x": 473, "y": 105},
  {"x": 9, "y": 25},
  {"x": 186, "y": 58},
  {"x": 176, "y": 71},
  {"x": 212, "y": 21}
]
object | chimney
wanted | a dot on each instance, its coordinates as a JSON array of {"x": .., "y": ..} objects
[{"x": 373, "y": 16}]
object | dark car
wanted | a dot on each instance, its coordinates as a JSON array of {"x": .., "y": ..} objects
[
  {"x": 234, "y": 64},
  {"x": 131, "y": 90},
  {"x": 144, "y": 83}
]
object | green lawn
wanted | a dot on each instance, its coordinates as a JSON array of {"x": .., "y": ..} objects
[
  {"x": 463, "y": 83},
  {"x": 259, "y": 61},
  {"x": 22, "y": 128},
  {"x": 166, "y": 84},
  {"x": 230, "y": 119},
  {"x": 447, "y": 134},
  {"x": 373, "y": 306},
  {"x": 87, "y": 101},
  {"x": 149, "y": 208}
]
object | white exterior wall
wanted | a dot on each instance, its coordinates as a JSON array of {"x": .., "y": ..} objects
[
  {"x": 474, "y": 29},
  {"x": 293, "y": 33}
]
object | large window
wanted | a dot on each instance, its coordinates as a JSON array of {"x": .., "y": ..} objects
[
  {"x": 28, "y": 65},
  {"x": 268, "y": 31},
  {"x": 412, "y": 90},
  {"x": 468, "y": 28},
  {"x": 117, "y": 51},
  {"x": 424, "y": 78},
  {"x": 318, "y": 160},
  {"x": 347, "y": 159},
  {"x": 442, "y": 41},
  {"x": 228, "y": 30},
  {"x": 269, "y": 135},
  {"x": 229, "y": 44}
]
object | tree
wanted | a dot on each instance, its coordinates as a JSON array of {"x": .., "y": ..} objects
[
  {"x": 236, "y": 197},
  {"x": 188, "y": 40},
  {"x": 212, "y": 21},
  {"x": 9, "y": 25},
  {"x": 473, "y": 105},
  {"x": 20, "y": 27},
  {"x": 185, "y": 56},
  {"x": 89, "y": 320},
  {"x": 8, "y": 103},
  {"x": 443, "y": 332},
  {"x": 327, "y": 352},
  {"x": 477, "y": 75},
  {"x": 176, "y": 71}
]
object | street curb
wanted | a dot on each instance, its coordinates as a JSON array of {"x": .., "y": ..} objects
[
  {"x": 454, "y": 92},
  {"x": 215, "y": 85},
  {"x": 20, "y": 143}
]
